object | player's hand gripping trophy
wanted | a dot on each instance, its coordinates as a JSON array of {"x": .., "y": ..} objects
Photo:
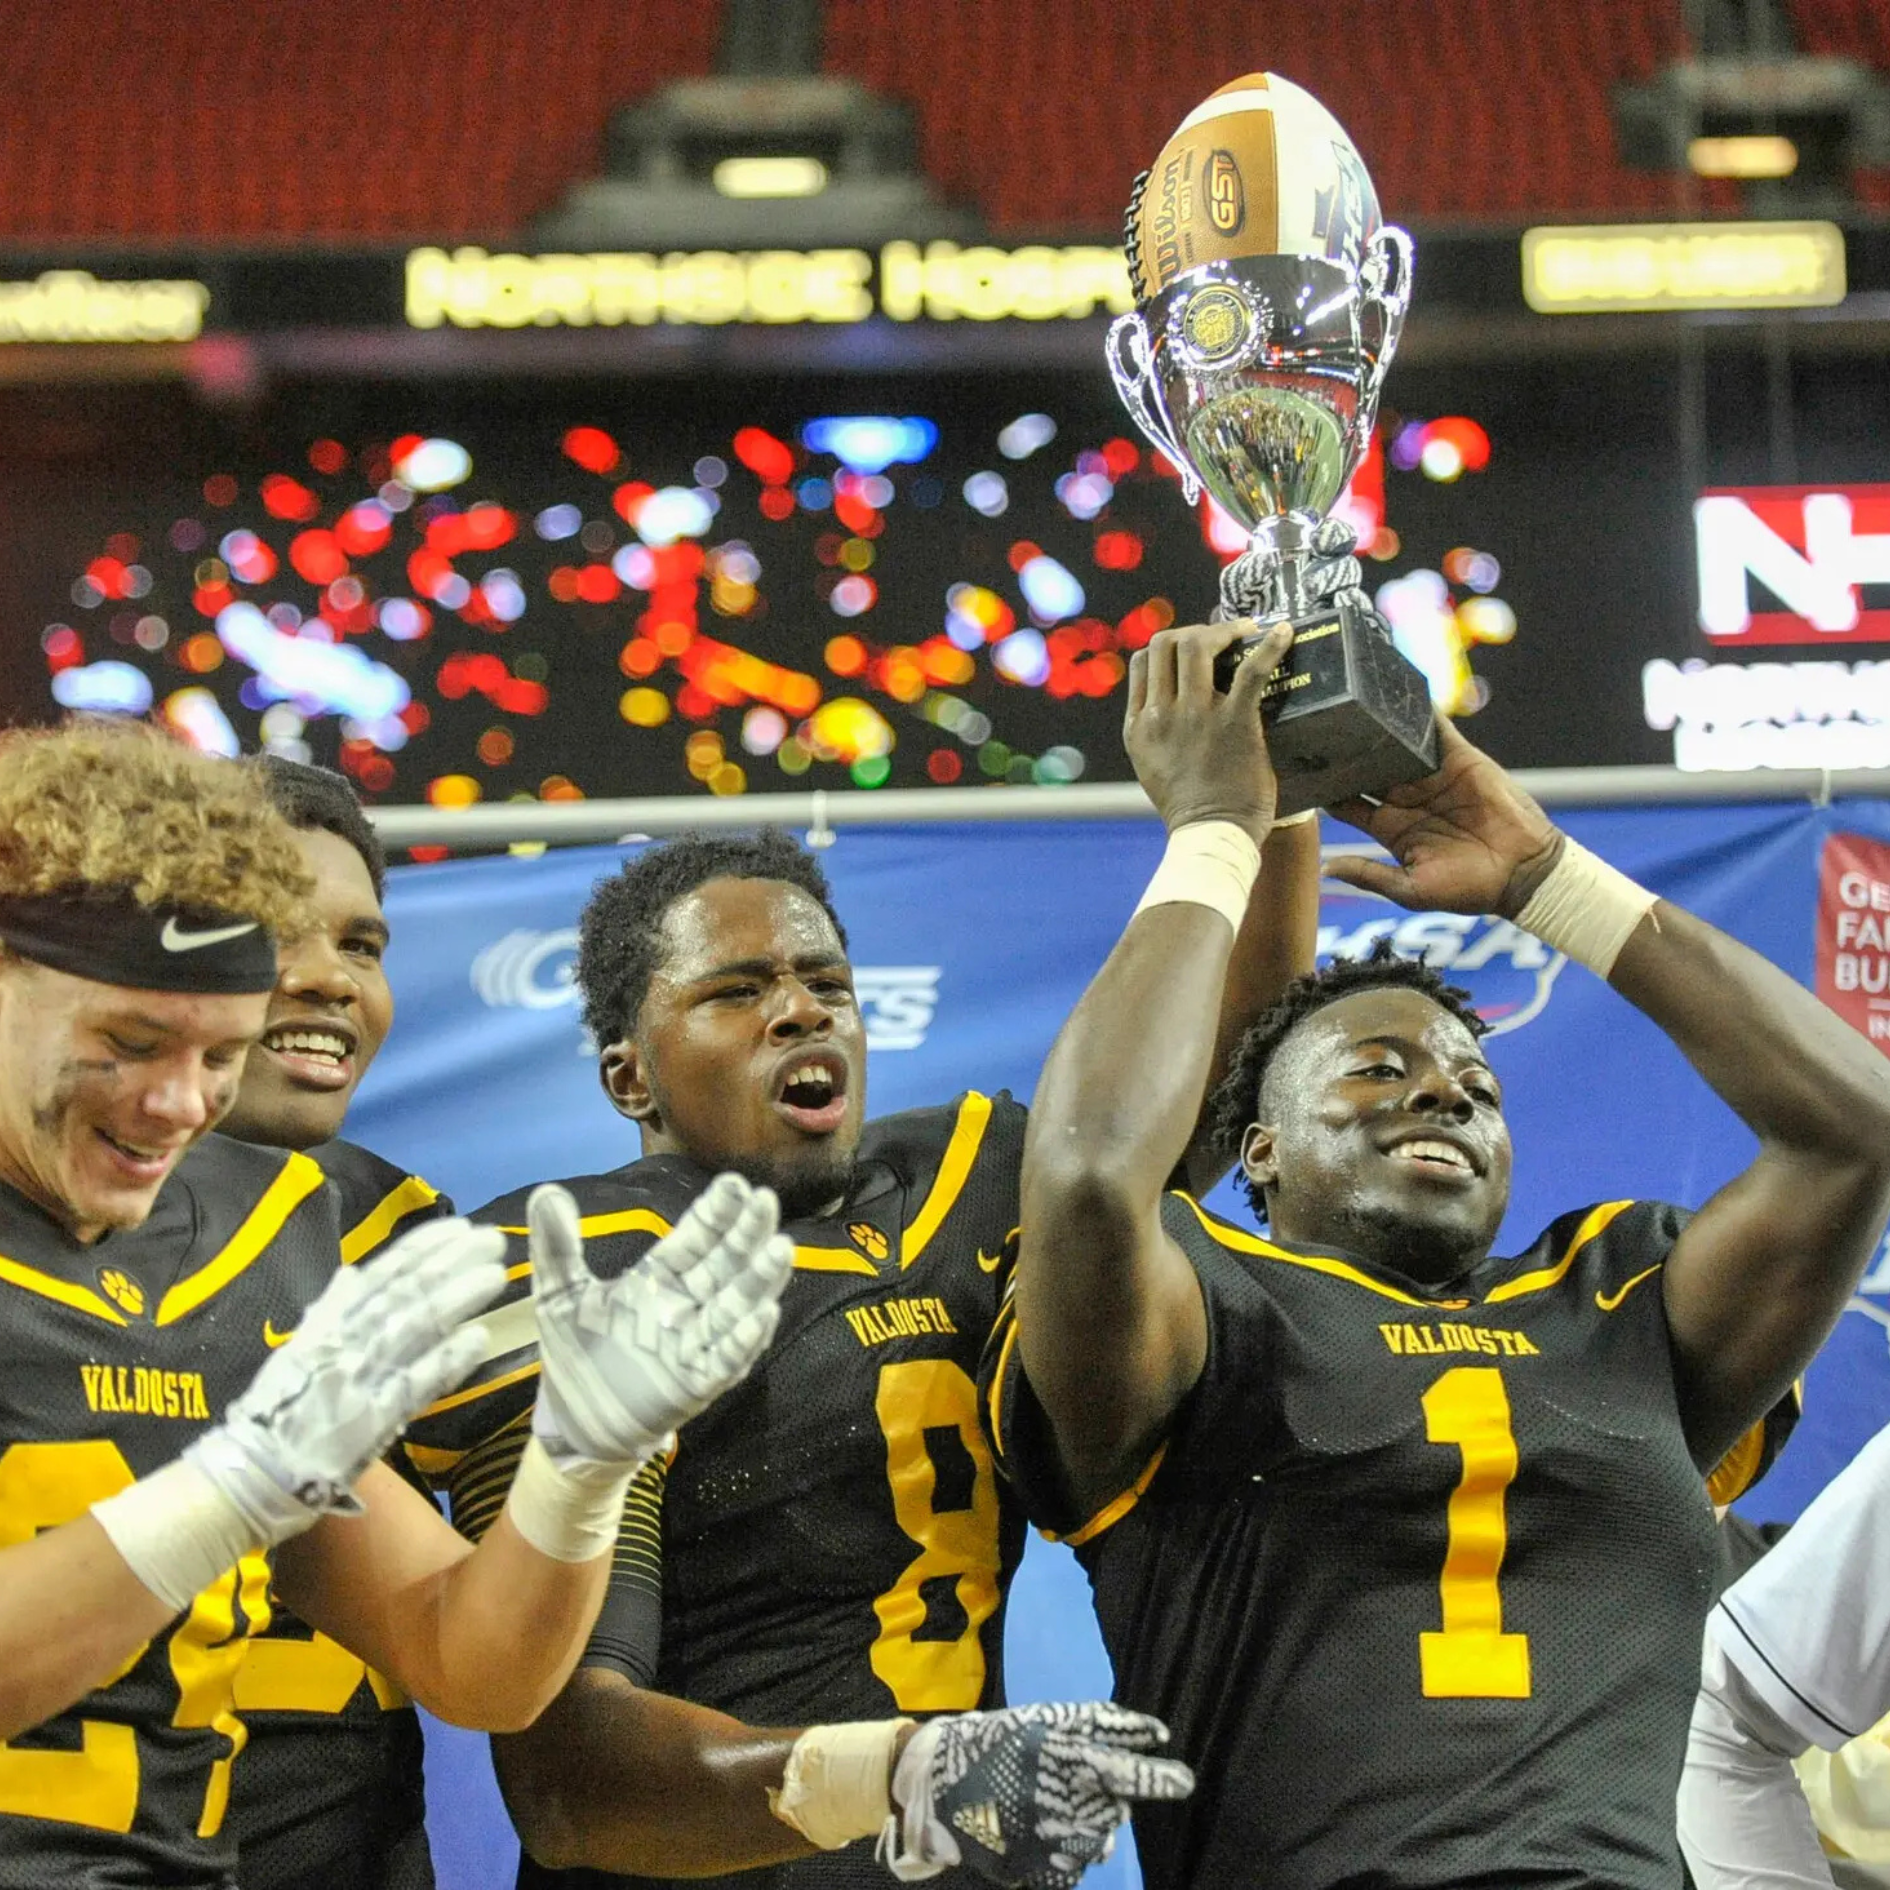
[{"x": 1270, "y": 299}]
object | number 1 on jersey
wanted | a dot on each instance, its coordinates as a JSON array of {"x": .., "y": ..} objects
[{"x": 1472, "y": 1658}]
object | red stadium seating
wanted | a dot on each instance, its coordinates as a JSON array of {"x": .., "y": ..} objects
[
  {"x": 267, "y": 120},
  {"x": 1856, "y": 29}
]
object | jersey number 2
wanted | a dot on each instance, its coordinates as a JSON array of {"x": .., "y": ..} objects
[
  {"x": 42, "y": 1486},
  {"x": 1473, "y": 1659},
  {"x": 958, "y": 1545}
]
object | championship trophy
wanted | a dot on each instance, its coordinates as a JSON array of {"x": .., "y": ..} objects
[{"x": 1270, "y": 299}]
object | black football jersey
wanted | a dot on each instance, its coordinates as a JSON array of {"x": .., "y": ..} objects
[
  {"x": 835, "y": 1542},
  {"x": 117, "y": 1355},
  {"x": 1418, "y": 1583},
  {"x": 329, "y": 1791}
]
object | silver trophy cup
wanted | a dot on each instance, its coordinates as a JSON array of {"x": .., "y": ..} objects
[{"x": 1259, "y": 378}]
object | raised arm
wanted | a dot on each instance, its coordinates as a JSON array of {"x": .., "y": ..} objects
[
  {"x": 1110, "y": 1323},
  {"x": 1277, "y": 942},
  {"x": 1759, "y": 1276}
]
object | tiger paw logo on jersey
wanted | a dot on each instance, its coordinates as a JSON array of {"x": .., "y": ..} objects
[
  {"x": 868, "y": 1239},
  {"x": 122, "y": 1290}
]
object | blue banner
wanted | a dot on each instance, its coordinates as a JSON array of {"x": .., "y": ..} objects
[{"x": 971, "y": 944}]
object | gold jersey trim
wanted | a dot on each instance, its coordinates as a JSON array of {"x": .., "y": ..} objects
[
  {"x": 378, "y": 1224},
  {"x": 453, "y": 1400},
  {"x": 1113, "y": 1512},
  {"x": 1243, "y": 1242},
  {"x": 974, "y": 1117},
  {"x": 299, "y": 1178},
  {"x": 1592, "y": 1224},
  {"x": 66, "y": 1292},
  {"x": 996, "y": 1398}
]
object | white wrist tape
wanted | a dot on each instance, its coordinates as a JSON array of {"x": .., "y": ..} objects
[
  {"x": 837, "y": 1785},
  {"x": 1211, "y": 863},
  {"x": 1586, "y": 909},
  {"x": 177, "y": 1532},
  {"x": 567, "y": 1512}
]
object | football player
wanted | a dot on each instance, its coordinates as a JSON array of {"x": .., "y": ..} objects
[
  {"x": 330, "y": 1790},
  {"x": 1407, "y": 1541},
  {"x": 149, "y": 1275},
  {"x": 833, "y": 1541}
]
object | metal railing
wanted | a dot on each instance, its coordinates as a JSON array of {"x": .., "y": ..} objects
[{"x": 580, "y": 823}]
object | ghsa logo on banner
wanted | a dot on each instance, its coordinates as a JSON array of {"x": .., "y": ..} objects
[
  {"x": 536, "y": 971},
  {"x": 1508, "y": 973}
]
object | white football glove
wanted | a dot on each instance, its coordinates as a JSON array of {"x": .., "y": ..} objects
[
  {"x": 1026, "y": 1795},
  {"x": 626, "y": 1361},
  {"x": 382, "y": 1342}
]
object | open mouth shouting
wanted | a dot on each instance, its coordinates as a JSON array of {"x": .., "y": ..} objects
[
  {"x": 810, "y": 1091},
  {"x": 314, "y": 1054}
]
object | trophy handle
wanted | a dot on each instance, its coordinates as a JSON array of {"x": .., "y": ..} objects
[
  {"x": 1386, "y": 279},
  {"x": 1132, "y": 368}
]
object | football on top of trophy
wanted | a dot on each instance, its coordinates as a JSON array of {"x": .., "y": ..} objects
[{"x": 1259, "y": 168}]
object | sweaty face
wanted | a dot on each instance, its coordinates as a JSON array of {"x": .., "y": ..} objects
[
  {"x": 749, "y": 1052},
  {"x": 105, "y": 1088},
  {"x": 329, "y": 1014},
  {"x": 1384, "y": 1136}
]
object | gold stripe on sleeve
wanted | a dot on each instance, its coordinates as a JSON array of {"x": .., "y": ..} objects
[{"x": 1112, "y": 1513}]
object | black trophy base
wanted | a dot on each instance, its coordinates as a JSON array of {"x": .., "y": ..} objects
[{"x": 1346, "y": 714}]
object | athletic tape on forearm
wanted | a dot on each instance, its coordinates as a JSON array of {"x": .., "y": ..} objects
[
  {"x": 1586, "y": 909},
  {"x": 837, "y": 1785},
  {"x": 568, "y": 1514},
  {"x": 1211, "y": 863},
  {"x": 177, "y": 1532}
]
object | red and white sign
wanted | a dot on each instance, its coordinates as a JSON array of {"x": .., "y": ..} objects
[
  {"x": 1854, "y": 933},
  {"x": 1812, "y": 547}
]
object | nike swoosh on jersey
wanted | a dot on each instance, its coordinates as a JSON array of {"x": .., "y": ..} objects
[
  {"x": 1609, "y": 1301},
  {"x": 272, "y": 1338},
  {"x": 175, "y": 939},
  {"x": 988, "y": 1262}
]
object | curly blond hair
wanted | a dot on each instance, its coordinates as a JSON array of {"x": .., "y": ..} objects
[{"x": 123, "y": 805}]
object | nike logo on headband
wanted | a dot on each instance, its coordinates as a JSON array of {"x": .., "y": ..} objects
[{"x": 175, "y": 939}]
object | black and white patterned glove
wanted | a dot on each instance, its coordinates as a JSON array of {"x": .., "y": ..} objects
[
  {"x": 1331, "y": 567},
  {"x": 1028, "y": 1795}
]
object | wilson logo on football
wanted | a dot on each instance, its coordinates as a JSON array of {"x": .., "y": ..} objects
[
  {"x": 536, "y": 971},
  {"x": 1508, "y": 973},
  {"x": 1226, "y": 201}
]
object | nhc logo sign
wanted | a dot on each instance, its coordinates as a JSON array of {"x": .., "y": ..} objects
[
  {"x": 1813, "y": 548},
  {"x": 535, "y": 971}
]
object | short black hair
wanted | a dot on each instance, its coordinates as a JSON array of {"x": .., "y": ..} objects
[
  {"x": 620, "y": 936},
  {"x": 1236, "y": 1100},
  {"x": 318, "y": 800}
]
